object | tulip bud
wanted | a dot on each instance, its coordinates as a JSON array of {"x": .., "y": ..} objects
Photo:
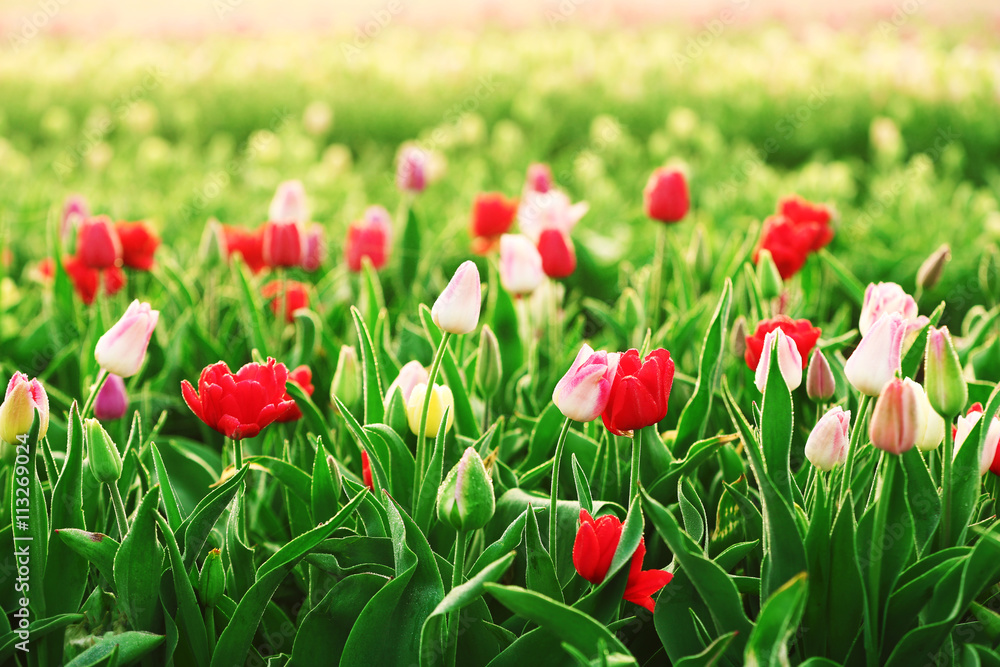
[
  {"x": 346, "y": 383},
  {"x": 520, "y": 264},
  {"x": 457, "y": 309},
  {"x": 465, "y": 498},
  {"x": 212, "y": 583},
  {"x": 666, "y": 195},
  {"x": 441, "y": 398},
  {"x": 17, "y": 412},
  {"x": 122, "y": 349},
  {"x": 898, "y": 417},
  {"x": 932, "y": 432},
  {"x": 557, "y": 252},
  {"x": 789, "y": 360},
  {"x": 112, "y": 400},
  {"x": 946, "y": 387},
  {"x": 98, "y": 245},
  {"x": 410, "y": 375},
  {"x": 289, "y": 203},
  {"x": 75, "y": 211},
  {"x": 366, "y": 471},
  {"x": 771, "y": 285},
  {"x": 411, "y": 169},
  {"x": 820, "y": 383},
  {"x": 877, "y": 358},
  {"x": 738, "y": 339},
  {"x": 102, "y": 453},
  {"x": 282, "y": 244},
  {"x": 489, "y": 367},
  {"x": 313, "y": 248},
  {"x": 965, "y": 426},
  {"x": 828, "y": 442},
  {"x": 582, "y": 393},
  {"x": 930, "y": 271},
  {"x": 539, "y": 178}
]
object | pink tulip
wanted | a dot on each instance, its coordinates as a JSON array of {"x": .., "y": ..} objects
[
  {"x": 23, "y": 398},
  {"x": 313, "y": 248},
  {"x": 282, "y": 244},
  {"x": 122, "y": 349},
  {"x": 828, "y": 442},
  {"x": 583, "y": 392},
  {"x": 877, "y": 358},
  {"x": 75, "y": 211},
  {"x": 289, "y": 203},
  {"x": 883, "y": 298},
  {"x": 539, "y": 211},
  {"x": 112, "y": 400},
  {"x": 820, "y": 383},
  {"x": 411, "y": 169},
  {"x": 369, "y": 237},
  {"x": 789, "y": 360},
  {"x": 539, "y": 178},
  {"x": 520, "y": 264},
  {"x": 457, "y": 309},
  {"x": 97, "y": 243},
  {"x": 898, "y": 417},
  {"x": 987, "y": 456},
  {"x": 410, "y": 375}
]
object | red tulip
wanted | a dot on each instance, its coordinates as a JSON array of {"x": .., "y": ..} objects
[
  {"x": 666, "y": 195},
  {"x": 282, "y": 244},
  {"x": 802, "y": 332},
  {"x": 789, "y": 244},
  {"x": 558, "y": 254},
  {"x": 87, "y": 280},
  {"x": 249, "y": 244},
  {"x": 366, "y": 470},
  {"x": 139, "y": 243},
  {"x": 815, "y": 217},
  {"x": 369, "y": 237},
  {"x": 239, "y": 404},
  {"x": 640, "y": 391},
  {"x": 594, "y": 549},
  {"x": 97, "y": 244},
  {"x": 302, "y": 376},
  {"x": 492, "y": 216},
  {"x": 296, "y": 296}
]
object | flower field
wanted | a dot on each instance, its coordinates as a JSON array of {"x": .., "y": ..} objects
[{"x": 552, "y": 346}]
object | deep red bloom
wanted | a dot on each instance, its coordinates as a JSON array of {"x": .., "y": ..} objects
[
  {"x": 558, "y": 254},
  {"x": 369, "y": 237},
  {"x": 282, "y": 244},
  {"x": 640, "y": 391},
  {"x": 97, "y": 243},
  {"x": 594, "y": 549},
  {"x": 139, "y": 243},
  {"x": 805, "y": 214},
  {"x": 366, "y": 470},
  {"x": 789, "y": 244},
  {"x": 492, "y": 216},
  {"x": 296, "y": 296},
  {"x": 247, "y": 243},
  {"x": 86, "y": 280},
  {"x": 239, "y": 404},
  {"x": 302, "y": 376},
  {"x": 666, "y": 195},
  {"x": 802, "y": 332}
]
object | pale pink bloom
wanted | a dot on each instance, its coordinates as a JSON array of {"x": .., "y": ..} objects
[
  {"x": 539, "y": 178},
  {"x": 122, "y": 349},
  {"x": 313, "y": 248},
  {"x": 520, "y": 264},
  {"x": 289, "y": 203},
  {"x": 898, "y": 417},
  {"x": 877, "y": 358},
  {"x": 457, "y": 309},
  {"x": 539, "y": 211},
  {"x": 820, "y": 383},
  {"x": 965, "y": 425},
  {"x": 828, "y": 442},
  {"x": 789, "y": 360},
  {"x": 411, "y": 169},
  {"x": 410, "y": 375},
  {"x": 884, "y": 298},
  {"x": 583, "y": 392},
  {"x": 22, "y": 399}
]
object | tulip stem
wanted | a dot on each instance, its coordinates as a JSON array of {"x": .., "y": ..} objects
[
  {"x": 657, "y": 278},
  {"x": 634, "y": 473},
  {"x": 116, "y": 500},
  {"x": 948, "y": 455},
  {"x": 101, "y": 378},
  {"x": 554, "y": 498},
  {"x": 852, "y": 450},
  {"x": 210, "y": 628},
  {"x": 456, "y": 580},
  {"x": 426, "y": 408},
  {"x": 887, "y": 466}
]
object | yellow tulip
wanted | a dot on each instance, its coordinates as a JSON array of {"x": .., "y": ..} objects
[{"x": 441, "y": 398}]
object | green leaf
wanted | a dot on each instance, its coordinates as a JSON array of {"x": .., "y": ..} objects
[
  {"x": 427, "y": 500},
  {"x": 325, "y": 489},
  {"x": 540, "y": 572},
  {"x": 195, "y": 530},
  {"x": 131, "y": 647},
  {"x": 410, "y": 251},
  {"x": 66, "y": 569},
  {"x": 913, "y": 358},
  {"x": 401, "y": 463},
  {"x": 465, "y": 419},
  {"x": 188, "y": 613},
  {"x": 851, "y": 284},
  {"x": 170, "y": 505},
  {"x": 96, "y": 548},
  {"x": 311, "y": 414},
  {"x": 36, "y": 630},
  {"x": 582, "y": 487},
  {"x": 292, "y": 477},
  {"x": 372, "y": 384},
  {"x": 776, "y": 429},
  {"x": 922, "y": 498},
  {"x": 138, "y": 564},
  {"x": 31, "y": 526},
  {"x": 252, "y": 312},
  {"x": 778, "y": 621},
  {"x": 712, "y": 655},
  {"x": 692, "y": 511},
  {"x": 966, "y": 480},
  {"x": 509, "y": 541}
]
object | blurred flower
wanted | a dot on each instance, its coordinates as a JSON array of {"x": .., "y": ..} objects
[
  {"x": 238, "y": 405},
  {"x": 539, "y": 178},
  {"x": 828, "y": 442},
  {"x": 294, "y": 295},
  {"x": 411, "y": 169},
  {"x": 520, "y": 264},
  {"x": 122, "y": 349},
  {"x": 112, "y": 400},
  {"x": 75, "y": 211},
  {"x": 370, "y": 237},
  {"x": 789, "y": 360},
  {"x": 302, "y": 376},
  {"x": 282, "y": 244},
  {"x": 317, "y": 118},
  {"x": 877, "y": 358},
  {"x": 98, "y": 245},
  {"x": 808, "y": 216},
  {"x": 465, "y": 499},
  {"x": 558, "y": 253},
  {"x": 23, "y": 398},
  {"x": 492, "y": 216},
  {"x": 86, "y": 280},
  {"x": 248, "y": 244},
  {"x": 788, "y": 243},
  {"x": 666, "y": 195},
  {"x": 289, "y": 203},
  {"x": 582, "y": 393},
  {"x": 441, "y": 399},
  {"x": 539, "y": 211},
  {"x": 457, "y": 308},
  {"x": 888, "y": 298},
  {"x": 410, "y": 375},
  {"x": 989, "y": 458},
  {"x": 802, "y": 332},
  {"x": 640, "y": 391},
  {"x": 139, "y": 244},
  {"x": 898, "y": 416},
  {"x": 313, "y": 248}
]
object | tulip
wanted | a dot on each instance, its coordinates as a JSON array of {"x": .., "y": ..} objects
[
  {"x": 411, "y": 169},
  {"x": 98, "y": 245},
  {"x": 666, "y": 195},
  {"x": 289, "y": 203},
  {"x": 558, "y": 254},
  {"x": 75, "y": 211},
  {"x": 594, "y": 549},
  {"x": 887, "y": 298},
  {"x": 520, "y": 264},
  {"x": 820, "y": 383},
  {"x": 492, "y": 216},
  {"x": 313, "y": 248},
  {"x": 898, "y": 416},
  {"x": 282, "y": 244},
  {"x": 302, "y": 376},
  {"x": 102, "y": 453},
  {"x": 212, "y": 582},
  {"x": 239, "y": 404},
  {"x": 539, "y": 178},
  {"x": 457, "y": 308},
  {"x": 549, "y": 210},
  {"x": 86, "y": 281},
  {"x": 346, "y": 383},
  {"x": 802, "y": 332},
  {"x": 738, "y": 339},
  {"x": 877, "y": 358},
  {"x": 465, "y": 498},
  {"x": 989, "y": 458},
  {"x": 813, "y": 218},
  {"x": 640, "y": 391},
  {"x": 112, "y": 400},
  {"x": 23, "y": 399},
  {"x": 293, "y": 294},
  {"x": 441, "y": 399},
  {"x": 946, "y": 386},
  {"x": 139, "y": 244},
  {"x": 788, "y": 243},
  {"x": 366, "y": 471},
  {"x": 789, "y": 361},
  {"x": 828, "y": 442},
  {"x": 930, "y": 271},
  {"x": 370, "y": 237},
  {"x": 582, "y": 393},
  {"x": 932, "y": 433},
  {"x": 489, "y": 367},
  {"x": 247, "y": 244},
  {"x": 122, "y": 349},
  {"x": 410, "y": 375}
]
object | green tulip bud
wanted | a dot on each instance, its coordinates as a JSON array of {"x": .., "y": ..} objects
[
  {"x": 771, "y": 285},
  {"x": 943, "y": 379},
  {"x": 930, "y": 271},
  {"x": 489, "y": 368},
  {"x": 103, "y": 457},
  {"x": 212, "y": 583},
  {"x": 465, "y": 498},
  {"x": 346, "y": 383}
]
